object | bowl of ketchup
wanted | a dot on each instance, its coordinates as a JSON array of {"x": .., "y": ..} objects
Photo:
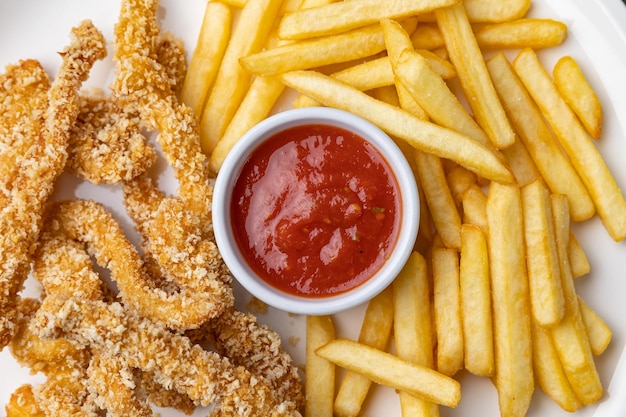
[{"x": 315, "y": 210}]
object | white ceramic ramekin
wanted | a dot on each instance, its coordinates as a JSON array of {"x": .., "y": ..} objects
[{"x": 230, "y": 170}]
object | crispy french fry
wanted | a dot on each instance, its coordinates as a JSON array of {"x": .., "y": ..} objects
[
  {"x": 542, "y": 260},
  {"x": 207, "y": 56},
  {"x": 496, "y": 10},
  {"x": 447, "y": 303},
  {"x": 433, "y": 95},
  {"x": 375, "y": 332},
  {"x": 585, "y": 157},
  {"x": 476, "y": 302},
  {"x": 523, "y": 167},
  {"x": 426, "y": 87},
  {"x": 472, "y": 72},
  {"x": 522, "y": 33},
  {"x": 342, "y": 16},
  {"x": 599, "y": 332},
  {"x": 577, "y": 257},
  {"x": 421, "y": 135},
  {"x": 320, "y": 373},
  {"x": 344, "y": 47},
  {"x": 232, "y": 81},
  {"x": 413, "y": 327},
  {"x": 427, "y": 36},
  {"x": 533, "y": 131},
  {"x": 510, "y": 300},
  {"x": 474, "y": 207},
  {"x": 441, "y": 205},
  {"x": 570, "y": 336},
  {"x": 549, "y": 371},
  {"x": 389, "y": 370},
  {"x": 256, "y": 104},
  {"x": 575, "y": 89},
  {"x": 459, "y": 179}
]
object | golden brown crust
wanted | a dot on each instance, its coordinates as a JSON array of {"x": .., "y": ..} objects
[{"x": 22, "y": 216}]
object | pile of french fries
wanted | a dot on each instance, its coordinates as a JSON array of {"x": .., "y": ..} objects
[{"x": 505, "y": 159}]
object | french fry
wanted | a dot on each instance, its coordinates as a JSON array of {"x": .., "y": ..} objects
[
  {"x": 577, "y": 257},
  {"x": 320, "y": 373},
  {"x": 459, "y": 180},
  {"x": 542, "y": 260},
  {"x": 570, "y": 336},
  {"x": 232, "y": 81},
  {"x": 533, "y": 131},
  {"x": 433, "y": 95},
  {"x": 599, "y": 332},
  {"x": 510, "y": 300},
  {"x": 441, "y": 205},
  {"x": 580, "y": 148},
  {"x": 427, "y": 36},
  {"x": 476, "y": 302},
  {"x": 389, "y": 370},
  {"x": 575, "y": 89},
  {"x": 468, "y": 60},
  {"x": 496, "y": 10},
  {"x": 521, "y": 164},
  {"x": 426, "y": 87},
  {"x": 447, "y": 303},
  {"x": 342, "y": 16},
  {"x": 422, "y": 135},
  {"x": 549, "y": 371},
  {"x": 256, "y": 104},
  {"x": 344, "y": 47},
  {"x": 475, "y": 207},
  {"x": 490, "y": 11},
  {"x": 207, "y": 56},
  {"x": 522, "y": 33},
  {"x": 413, "y": 327},
  {"x": 375, "y": 332}
]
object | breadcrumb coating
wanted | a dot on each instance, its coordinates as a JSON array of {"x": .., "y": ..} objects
[
  {"x": 106, "y": 145},
  {"x": 206, "y": 377},
  {"x": 22, "y": 217}
]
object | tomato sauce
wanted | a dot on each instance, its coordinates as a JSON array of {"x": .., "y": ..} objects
[{"x": 316, "y": 210}]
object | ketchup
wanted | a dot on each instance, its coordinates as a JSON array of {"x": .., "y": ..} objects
[{"x": 315, "y": 210}]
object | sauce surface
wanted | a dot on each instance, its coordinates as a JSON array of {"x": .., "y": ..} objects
[{"x": 315, "y": 210}]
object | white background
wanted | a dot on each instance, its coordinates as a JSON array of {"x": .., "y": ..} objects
[{"x": 597, "y": 40}]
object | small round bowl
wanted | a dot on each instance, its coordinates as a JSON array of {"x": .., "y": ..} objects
[{"x": 227, "y": 244}]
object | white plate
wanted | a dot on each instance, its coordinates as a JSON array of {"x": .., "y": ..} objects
[{"x": 597, "y": 39}]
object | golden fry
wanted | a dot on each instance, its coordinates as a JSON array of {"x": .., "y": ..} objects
[
  {"x": 386, "y": 369},
  {"x": 232, "y": 81},
  {"x": 342, "y": 16},
  {"x": 320, "y": 373},
  {"x": 413, "y": 327},
  {"x": 585, "y": 157},
  {"x": 207, "y": 56},
  {"x": 539, "y": 140},
  {"x": 544, "y": 275},
  {"x": 375, "y": 332},
  {"x": 522, "y": 33},
  {"x": 599, "y": 332},
  {"x": 575, "y": 89},
  {"x": 510, "y": 300},
  {"x": 472, "y": 72},
  {"x": 447, "y": 303},
  {"x": 577, "y": 257},
  {"x": 476, "y": 302},
  {"x": 549, "y": 372},
  {"x": 570, "y": 336}
]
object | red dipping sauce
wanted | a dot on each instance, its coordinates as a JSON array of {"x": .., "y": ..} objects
[{"x": 316, "y": 210}]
